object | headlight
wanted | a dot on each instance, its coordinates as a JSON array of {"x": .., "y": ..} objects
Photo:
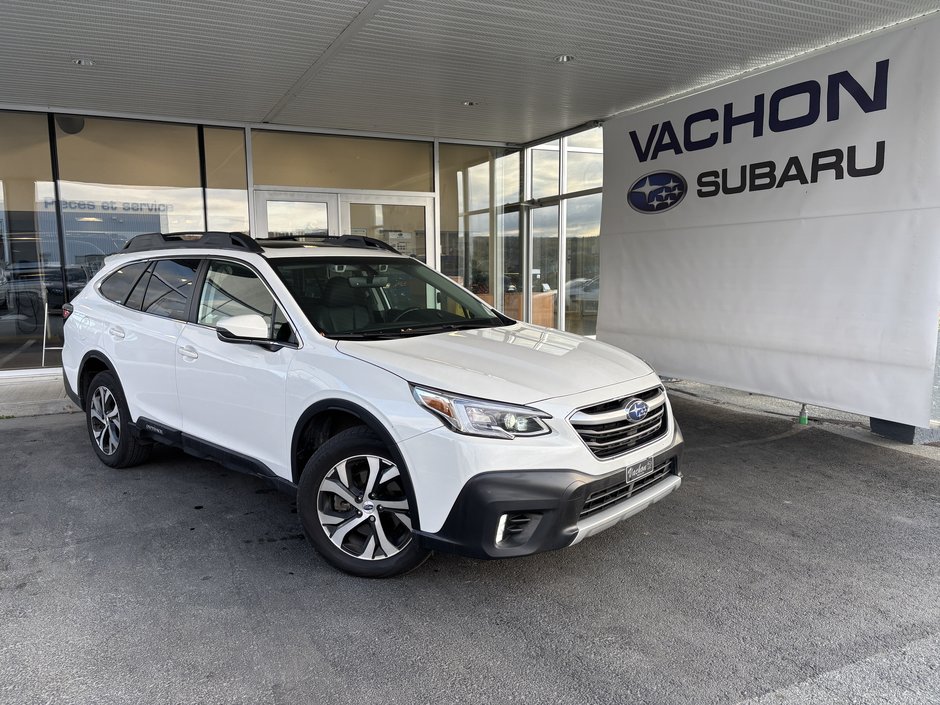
[{"x": 477, "y": 417}]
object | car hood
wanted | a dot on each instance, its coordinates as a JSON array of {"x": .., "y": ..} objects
[{"x": 520, "y": 363}]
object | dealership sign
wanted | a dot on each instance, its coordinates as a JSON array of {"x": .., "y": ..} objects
[{"x": 781, "y": 234}]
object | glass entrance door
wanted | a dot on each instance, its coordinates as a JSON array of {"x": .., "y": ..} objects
[
  {"x": 405, "y": 222},
  {"x": 280, "y": 213}
]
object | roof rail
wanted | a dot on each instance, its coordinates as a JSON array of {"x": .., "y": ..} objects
[
  {"x": 333, "y": 241},
  {"x": 192, "y": 239}
]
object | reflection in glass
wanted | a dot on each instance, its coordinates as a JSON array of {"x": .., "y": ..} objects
[
  {"x": 585, "y": 171},
  {"x": 545, "y": 165},
  {"x": 99, "y": 218},
  {"x": 582, "y": 245},
  {"x": 507, "y": 178},
  {"x": 545, "y": 266},
  {"x": 170, "y": 288},
  {"x": 403, "y": 227},
  {"x": 233, "y": 290},
  {"x": 121, "y": 178},
  {"x": 511, "y": 247},
  {"x": 227, "y": 209},
  {"x": 32, "y": 289},
  {"x": 589, "y": 139},
  {"x": 226, "y": 179},
  {"x": 477, "y": 185},
  {"x": 297, "y": 218}
]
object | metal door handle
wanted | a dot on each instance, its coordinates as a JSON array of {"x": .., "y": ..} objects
[
  {"x": 188, "y": 352},
  {"x": 116, "y": 332}
]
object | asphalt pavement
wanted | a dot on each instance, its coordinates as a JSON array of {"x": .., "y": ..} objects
[{"x": 793, "y": 566}]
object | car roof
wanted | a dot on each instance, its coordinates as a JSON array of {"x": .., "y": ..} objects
[
  {"x": 218, "y": 242},
  {"x": 327, "y": 251}
]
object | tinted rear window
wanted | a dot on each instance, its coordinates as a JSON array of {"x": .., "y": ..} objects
[
  {"x": 136, "y": 297},
  {"x": 117, "y": 286},
  {"x": 171, "y": 288}
]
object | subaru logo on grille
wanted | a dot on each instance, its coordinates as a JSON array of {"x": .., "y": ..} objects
[
  {"x": 657, "y": 192},
  {"x": 637, "y": 409}
]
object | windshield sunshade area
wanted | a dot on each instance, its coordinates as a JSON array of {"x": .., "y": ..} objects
[{"x": 379, "y": 298}]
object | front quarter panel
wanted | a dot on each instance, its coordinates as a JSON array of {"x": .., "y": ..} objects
[{"x": 322, "y": 373}]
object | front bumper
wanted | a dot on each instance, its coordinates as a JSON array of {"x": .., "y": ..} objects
[{"x": 542, "y": 510}]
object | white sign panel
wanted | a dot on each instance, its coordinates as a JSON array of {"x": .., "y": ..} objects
[{"x": 781, "y": 234}]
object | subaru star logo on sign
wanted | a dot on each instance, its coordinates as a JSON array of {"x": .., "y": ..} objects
[
  {"x": 637, "y": 410},
  {"x": 657, "y": 192}
]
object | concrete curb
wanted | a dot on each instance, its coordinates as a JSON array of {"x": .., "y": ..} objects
[{"x": 37, "y": 408}]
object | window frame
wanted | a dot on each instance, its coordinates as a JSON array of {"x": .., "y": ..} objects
[
  {"x": 199, "y": 280},
  {"x": 193, "y": 318}
]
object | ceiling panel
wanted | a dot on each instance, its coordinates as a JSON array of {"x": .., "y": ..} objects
[
  {"x": 413, "y": 65},
  {"x": 405, "y": 66},
  {"x": 218, "y": 59}
]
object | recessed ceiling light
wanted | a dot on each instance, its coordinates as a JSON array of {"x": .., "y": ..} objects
[
  {"x": 564, "y": 58},
  {"x": 81, "y": 61},
  {"x": 470, "y": 103}
]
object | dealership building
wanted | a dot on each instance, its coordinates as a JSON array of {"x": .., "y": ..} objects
[{"x": 467, "y": 135}]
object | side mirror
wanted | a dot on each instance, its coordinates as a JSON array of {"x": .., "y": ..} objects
[{"x": 249, "y": 329}]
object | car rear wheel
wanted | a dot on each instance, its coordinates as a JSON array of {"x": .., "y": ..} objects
[
  {"x": 109, "y": 424},
  {"x": 354, "y": 505}
]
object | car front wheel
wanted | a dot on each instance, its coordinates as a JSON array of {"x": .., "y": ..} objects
[{"x": 354, "y": 507}]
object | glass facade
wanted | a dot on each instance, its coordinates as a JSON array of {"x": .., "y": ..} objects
[
  {"x": 120, "y": 178},
  {"x": 402, "y": 226},
  {"x": 565, "y": 230},
  {"x": 517, "y": 227},
  {"x": 480, "y": 236},
  {"x": 298, "y": 159},
  {"x": 31, "y": 269},
  {"x": 582, "y": 257},
  {"x": 226, "y": 179}
]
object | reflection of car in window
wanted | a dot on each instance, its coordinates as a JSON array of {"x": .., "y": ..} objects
[
  {"x": 26, "y": 287},
  {"x": 406, "y": 413},
  {"x": 582, "y": 294}
]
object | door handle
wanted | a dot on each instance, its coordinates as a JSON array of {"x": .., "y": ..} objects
[
  {"x": 188, "y": 351},
  {"x": 116, "y": 332}
]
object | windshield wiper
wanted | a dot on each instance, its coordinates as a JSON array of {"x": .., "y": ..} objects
[
  {"x": 418, "y": 329},
  {"x": 469, "y": 323},
  {"x": 362, "y": 335}
]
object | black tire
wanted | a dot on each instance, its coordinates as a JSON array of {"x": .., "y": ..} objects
[
  {"x": 380, "y": 533},
  {"x": 112, "y": 440}
]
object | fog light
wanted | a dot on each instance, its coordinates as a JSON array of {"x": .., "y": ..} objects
[
  {"x": 501, "y": 528},
  {"x": 516, "y": 528}
]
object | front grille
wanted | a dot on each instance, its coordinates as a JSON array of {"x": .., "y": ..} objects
[
  {"x": 608, "y": 431},
  {"x": 619, "y": 489}
]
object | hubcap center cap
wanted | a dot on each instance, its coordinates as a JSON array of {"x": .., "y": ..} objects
[{"x": 368, "y": 506}]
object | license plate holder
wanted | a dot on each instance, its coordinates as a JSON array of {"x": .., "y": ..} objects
[{"x": 639, "y": 470}]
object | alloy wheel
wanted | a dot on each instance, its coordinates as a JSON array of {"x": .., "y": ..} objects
[
  {"x": 105, "y": 420},
  {"x": 363, "y": 509}
]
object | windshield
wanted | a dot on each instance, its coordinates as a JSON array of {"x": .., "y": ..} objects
[{"x": 376, "y": 298}]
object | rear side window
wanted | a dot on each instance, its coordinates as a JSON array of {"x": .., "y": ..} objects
[
  {"x": 170, "y": 288},
  {"x": 118, "y": 285},
  {"x": 136, "y": 297}
]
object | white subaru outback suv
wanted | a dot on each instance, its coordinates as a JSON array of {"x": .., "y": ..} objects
[{"x": 406, "y": 414}]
